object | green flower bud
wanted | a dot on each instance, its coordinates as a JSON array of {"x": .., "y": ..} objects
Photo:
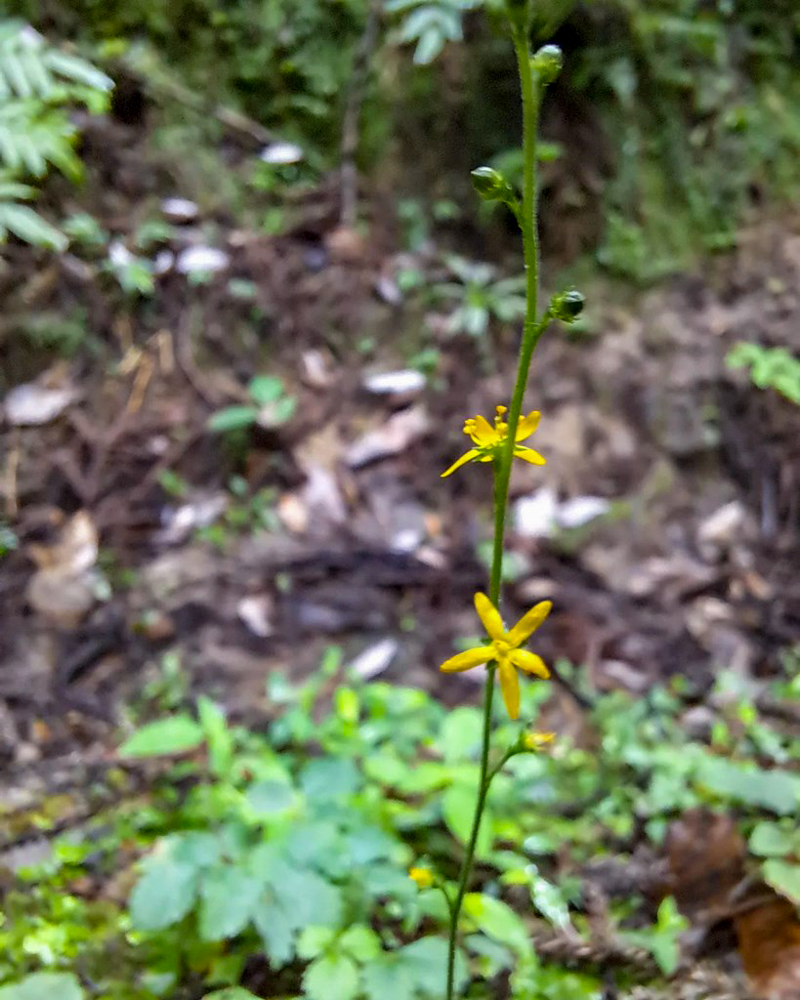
[
  {"x": 546, "y": 63},
  {"x": 567, "y": 306},
  {"x": 491, "y": 185},
  {"x": 519, "y": 14}
]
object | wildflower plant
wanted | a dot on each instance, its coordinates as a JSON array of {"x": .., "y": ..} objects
[{"x": 498, "y": 445}]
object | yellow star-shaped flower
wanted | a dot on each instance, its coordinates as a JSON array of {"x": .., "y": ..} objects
[
  {"x": 422, "y": 876},
  {"x": 489, "y": 441},
  {"x": 504, "y": 649}
]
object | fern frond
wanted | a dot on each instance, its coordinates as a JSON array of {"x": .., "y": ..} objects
[
  {"x": 32, "y": 139},
  {"x": 28, "y": 226},
  {"x": 29, "y": 67}
]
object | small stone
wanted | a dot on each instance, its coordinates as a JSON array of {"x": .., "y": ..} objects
[
  {"x": 257, "y": 613},
  {"x": 202, "y": 260},
  {"x": 375, "y": 659},
  {"x": 281, "y": 154},
  {"x": 535, "y": 515},
  {"x": 180, "y": 210},
  {"x": 402, "y": 385},
  {"x": 579, "y": 511},
  {"x": 398, "y": 433},
  {"x": 723, "y": 527},
  {"x": 31, "y": 405}
]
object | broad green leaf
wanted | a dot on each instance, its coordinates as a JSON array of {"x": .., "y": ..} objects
[
  {"x": 174, "y": 734},
  {"x": 307, "y": 896},
  {"x": 425, "y": 959},
  {"x": 44, "y": 986},
  {"x": 314, "y": 940},
  {"x": 498, "y": 921},
  {"x": 458, "y": 809},
  {"x": 778, "y": 791},
  {"x": 461, "y": 735},
  {"x": 232, "y": 418},
  {"x": 228, "y": 897},
  {"x": 329, "y": 778},
  {"x": 277, "y": 930},
  {"x": 360, "y": 942},
  {"x": 269, "y": 797},
  {"x": 769, "y": 840},
  {"x": 784, "y": 877},
  {"x": 164, "y": 894},
  {"x": 332, "y": 977},
  {"x": 387, "y": 976}
]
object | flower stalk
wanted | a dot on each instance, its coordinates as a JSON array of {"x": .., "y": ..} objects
[{"x": 500, "y": 445}]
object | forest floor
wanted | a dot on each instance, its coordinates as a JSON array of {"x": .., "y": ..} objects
[{"x": 664, "y": 526}]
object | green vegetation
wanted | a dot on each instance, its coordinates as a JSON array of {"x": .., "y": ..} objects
[
  {"x": 38, "y": 83},
  {"x": 293, "y": 843},
  {"x": 769, "y": 367}
]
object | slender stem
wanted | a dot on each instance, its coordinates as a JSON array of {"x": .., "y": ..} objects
[{"x": 502, "y": 468}]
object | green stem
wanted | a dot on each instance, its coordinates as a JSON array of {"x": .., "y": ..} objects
[{"x": 502, "y": 469}]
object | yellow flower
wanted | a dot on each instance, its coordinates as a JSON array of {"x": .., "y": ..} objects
[
  {"x": 489, "y": 441},
  {"x": 537, "y": 741},
  {"x": 422, "y": 876},
  {"x": 504, "y": 649}
]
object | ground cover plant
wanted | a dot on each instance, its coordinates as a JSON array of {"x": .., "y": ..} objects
[{"x": 279, "y": 859}]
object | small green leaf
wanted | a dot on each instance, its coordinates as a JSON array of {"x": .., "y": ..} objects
[
  {"x": 769, "y": 840},
  {"x": 265, "y": 389},
  {"x": 314, "y": 940},
  {"x": 360, "y": 942},
  {"x": 498, "y": 921},
  {"x": 44, "y": 986},
  {"x": 548, "y": 900},
  {"x": 329, "y": 778},
  {"x": 228, "y": 897},
  {"x": 269, "y": 797},
  {"x": 232, "y": 418},
  {"x": 164, "y": 894},
  {"x": 387, "y": 976},
  {"x": 783, "y": 877},
  {"x": 425, "y": 959},
  {"x": 277, "y": 930},
  {"x": 332, "y": 977},
  {"x": 776, "y": 790},
  {"x": 174, "y": 734}
]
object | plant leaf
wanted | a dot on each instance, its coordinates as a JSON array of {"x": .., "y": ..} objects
[
  {"x": 174, "y": 734},
  {"x": 332, "y": 977},
  {"x": 44, "y": 986}
]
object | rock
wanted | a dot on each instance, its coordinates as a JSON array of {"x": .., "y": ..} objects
[
  {"x": 180, "y": 522},
  {"x": 31, "y": 405},
  {"x": 578, "y": 511},
  {"x": 375, "y": 659},
  {"x": 387, "y": 289},
  {"x": 721, "y": 529},
  {"x": 180, "y": 210},
  {"x": 293, "y": 513},
  {"x": 398, "y": 433},
  {"x": 257, "y": 613},
  {"x": 400, "y": 386},
  {"x": 316, "y": 369},
  {"x": 202, "y": 260},
  {"x": 163, "y": 262},
  {"x": 281, "y": 154},
  {"x": 535, "y": 515}
]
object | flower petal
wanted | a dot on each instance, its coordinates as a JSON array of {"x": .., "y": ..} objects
[
  {"x": 529, "y": 455},
  {"x": 527, "y": 425},
  {"x": 529, "y": 662},
  {"x": 482, "y": 432},
  {"x": 468, "y": 456},
  {"x": 509, "y": 682},
  {"x": 529, "y": 622},
  {"x": 468, "y": 659},
  {"x": 490, "y": 617}
]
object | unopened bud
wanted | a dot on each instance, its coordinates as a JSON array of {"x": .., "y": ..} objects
[
  {"x": 491, "y": 185},
  {"x": 567, "y": 306},
  {"x": 546, "y": 63}
]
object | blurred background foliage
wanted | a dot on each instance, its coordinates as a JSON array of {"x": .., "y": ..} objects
[{"x": 672, "y": 118}]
